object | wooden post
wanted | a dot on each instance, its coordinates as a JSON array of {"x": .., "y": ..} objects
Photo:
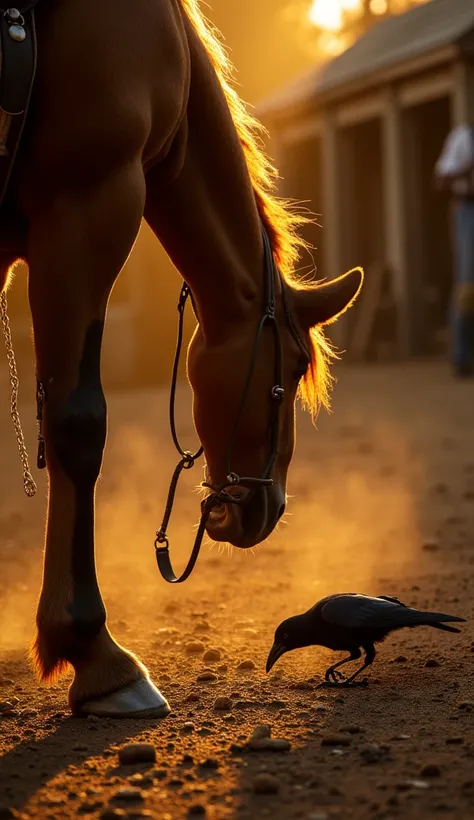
[
  {"x": 332, "y": 214},
  {"x": 395, "y": 221},
  {"x": 462, "y": 102}
]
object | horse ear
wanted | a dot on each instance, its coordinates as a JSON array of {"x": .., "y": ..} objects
[{"x": 323, "y": 304}]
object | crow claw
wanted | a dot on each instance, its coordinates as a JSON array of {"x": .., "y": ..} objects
[{"x": 343, "y": 684}]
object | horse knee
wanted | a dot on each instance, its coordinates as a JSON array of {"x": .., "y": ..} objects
[{"x": 78, "y": 434}]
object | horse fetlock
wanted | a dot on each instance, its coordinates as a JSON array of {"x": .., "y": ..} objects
[{"x": 65, "y": 638}]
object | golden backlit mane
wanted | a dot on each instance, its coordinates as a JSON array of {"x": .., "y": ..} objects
[{"x": 279, "y": 216}]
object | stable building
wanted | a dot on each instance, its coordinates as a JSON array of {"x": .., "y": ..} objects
[{"x": 357, "y": 141}]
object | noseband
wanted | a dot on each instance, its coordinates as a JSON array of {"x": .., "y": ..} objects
[{"x": 220, "y": 492}]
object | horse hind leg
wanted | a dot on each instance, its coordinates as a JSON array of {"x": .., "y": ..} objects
[{"x": 76, "y": 249}]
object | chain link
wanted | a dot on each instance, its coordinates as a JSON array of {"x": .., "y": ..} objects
[{"x": 29, "y": 484}]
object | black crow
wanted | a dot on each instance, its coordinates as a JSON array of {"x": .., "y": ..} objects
[{"x": 349, "y": 622}]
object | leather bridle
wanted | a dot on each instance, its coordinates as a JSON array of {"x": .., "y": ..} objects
[{"x": 220, "y": 492}]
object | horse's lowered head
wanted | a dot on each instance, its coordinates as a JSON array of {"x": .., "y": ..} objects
[{"x": 245, "y": 386}]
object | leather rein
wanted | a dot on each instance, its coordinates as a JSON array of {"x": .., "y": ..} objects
[{"x": 220, "y": 492}]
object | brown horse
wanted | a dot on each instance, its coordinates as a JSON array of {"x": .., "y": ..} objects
[{"x": 133, "y": 116}]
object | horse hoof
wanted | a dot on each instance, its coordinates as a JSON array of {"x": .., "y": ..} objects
[{"x": 140, "y": 699}]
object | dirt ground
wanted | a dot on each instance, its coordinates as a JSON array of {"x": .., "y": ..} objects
[{"x": 382, "y": 503}]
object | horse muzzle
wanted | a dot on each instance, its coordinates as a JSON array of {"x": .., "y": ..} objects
[{"x": 249, "y": 521}]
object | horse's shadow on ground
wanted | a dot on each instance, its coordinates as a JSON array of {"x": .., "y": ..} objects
[{"x": 32, "y": 764}]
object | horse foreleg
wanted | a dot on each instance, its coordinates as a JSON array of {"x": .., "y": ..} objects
[{"x": 76, "y": 250}]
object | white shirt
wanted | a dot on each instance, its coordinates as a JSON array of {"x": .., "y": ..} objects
[{"x": 457, "y": 157}]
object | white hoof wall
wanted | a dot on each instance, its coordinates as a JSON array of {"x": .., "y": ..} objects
[{"x": 141, "y": 699}]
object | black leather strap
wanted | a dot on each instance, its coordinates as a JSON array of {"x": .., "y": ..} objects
[{"x": 18, "y": 70}]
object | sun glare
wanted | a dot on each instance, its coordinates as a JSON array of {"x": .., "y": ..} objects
[
  {"x": 326, "y": 14},
  {"x": 331, "y": 15},
  {"x": 379, "y": 6}
]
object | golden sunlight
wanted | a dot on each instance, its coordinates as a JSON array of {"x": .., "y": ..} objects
[
  {"x": 379, "y": 6},
  {"x": 332, "y": 15},
  {"x": 326, "y": 14},
  {"x": 329, "y": 14}
]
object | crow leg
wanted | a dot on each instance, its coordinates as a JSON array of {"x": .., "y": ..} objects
[
  {"x": 331, "y": 673},
  {"x": 333, "y": 678},
  {"x": 369, "y": 650}
]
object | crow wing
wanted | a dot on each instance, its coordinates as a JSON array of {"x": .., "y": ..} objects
[{"x": 363, "y": 612}]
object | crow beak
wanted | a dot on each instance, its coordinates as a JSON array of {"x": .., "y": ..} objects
[{"x": 276, "y": 652}]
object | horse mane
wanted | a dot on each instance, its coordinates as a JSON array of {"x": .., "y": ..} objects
[{"x": 278, "y": 215}]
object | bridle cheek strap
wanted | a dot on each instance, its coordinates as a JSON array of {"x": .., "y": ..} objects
[{"x": 220, "y": 493}]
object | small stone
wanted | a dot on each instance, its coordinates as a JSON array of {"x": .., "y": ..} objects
[
  {"x": 89, "y": 806},
  {"x": 212, "y": 655},
  {"x": 198, "y": 810},
  {"x": 335, "y": 740},
  {"x": 418, "y": 784},
  {"x": 430, "y": 770},
  {"x": 128, "y": 794},
  {"x": 209, "y": 763},
  {"x": 112, "y": 814},
  {"x": 430, "y": 546},
  {"x": 246, "y": 666},
  {"x": 194, "y": 648},
  {"x": 207, "y": 676},
  {"x": 374, "y": 754},
  {"x": 261, "y": 741},
  {"x": 5, "y": 704},
  {"x": 264, "y": 783},
  {"x": 202, "y": 626},
  {"x": 278, "y": 744},
  {"x": 431, "y": 663},
  {"x": 137, "y": 753},
  {"x": 188, "y": 728},
  {"x": 143, "y": 780},
  {"x": 303, "y": 686},
  {"x": 467, "y": 705},
  {"x": 193, "y": 697},
  {"x": 222, "y": 704},
  {"x": 400, "y": 659},
  {"x": 264, "y": 730}
]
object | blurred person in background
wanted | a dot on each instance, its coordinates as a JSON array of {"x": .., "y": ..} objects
[{"x": 454, "y": 172}]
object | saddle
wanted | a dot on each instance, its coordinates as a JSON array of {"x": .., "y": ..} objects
[{"x": 17, "y": 74}]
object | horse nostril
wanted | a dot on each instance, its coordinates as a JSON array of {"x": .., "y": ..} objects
[{"x": 281, "y": 511}]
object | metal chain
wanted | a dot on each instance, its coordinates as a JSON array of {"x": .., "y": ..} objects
[{"x": 29, "y": 484}]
